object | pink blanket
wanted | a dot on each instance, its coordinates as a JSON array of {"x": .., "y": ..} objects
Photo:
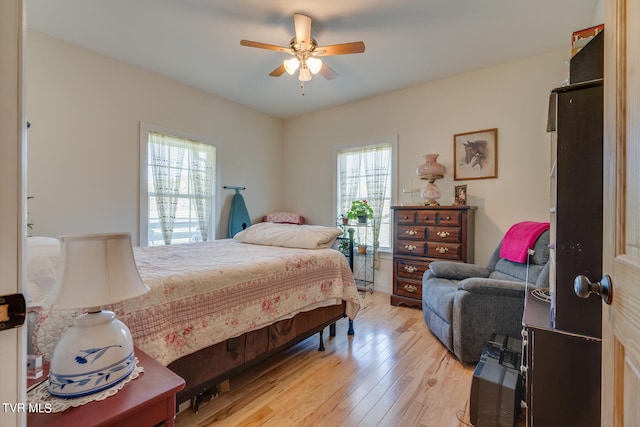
[{"x": 520, "y": 238}]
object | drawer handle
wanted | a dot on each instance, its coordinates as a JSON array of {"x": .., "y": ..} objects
[
  {"x": 442, "y": 250},
  {"x": 410, "y": 288},
  {"x": 411, "y": 232},
  {"x": 442, "y": 233},
  {"x": 410, "y": 247},
  {"x": 410, "y": 269},
  {"x": 447, "y": 218}
]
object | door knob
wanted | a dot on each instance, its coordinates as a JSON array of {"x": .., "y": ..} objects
[{"x": 583, "y": 287}]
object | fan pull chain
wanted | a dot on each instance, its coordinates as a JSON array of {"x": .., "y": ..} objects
[{"x": 302, "y": 88}]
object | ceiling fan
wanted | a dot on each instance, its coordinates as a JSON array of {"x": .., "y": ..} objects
[{"x": 306, "y": 52}]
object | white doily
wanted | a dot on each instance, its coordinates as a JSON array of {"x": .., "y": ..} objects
[{"x": 39, "y": 394}]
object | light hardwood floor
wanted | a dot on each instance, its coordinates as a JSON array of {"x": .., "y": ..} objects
[{"x": 392, "y": 372}]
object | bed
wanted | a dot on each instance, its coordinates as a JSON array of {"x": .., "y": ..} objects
[{"x": 215, "y": 308}]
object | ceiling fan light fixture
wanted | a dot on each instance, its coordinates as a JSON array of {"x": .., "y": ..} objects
[
  {"x": 314, "y": 64},
  {"x": 305, "y": 74},
  {"x": 291, "y": 65},
  {"x": 305, "y": 51}
]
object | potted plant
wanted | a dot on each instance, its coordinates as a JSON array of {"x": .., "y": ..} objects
[
  {"x": 343, "y": 219},
  {"x": 343, "y": 246},
  {"x": 360, "y": 210},
  {"x": 362, "y": 249}
]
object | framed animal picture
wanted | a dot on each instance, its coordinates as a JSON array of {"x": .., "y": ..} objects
[{"x": 475, "y": 154}]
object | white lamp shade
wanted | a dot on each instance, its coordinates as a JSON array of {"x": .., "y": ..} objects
[
  {"x": 95, "y": 270},
  {"x": 305, "y": 75},
  {"x": 291, "y": 65},
  {"x": 314, "y": 64}
]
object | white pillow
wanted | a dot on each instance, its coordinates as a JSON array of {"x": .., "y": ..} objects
[
  {"x": 43, "y": 255},
  {"x": 289, "y": 235}
]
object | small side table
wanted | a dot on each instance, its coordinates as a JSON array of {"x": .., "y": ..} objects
[{"x": 149, "y": 400}]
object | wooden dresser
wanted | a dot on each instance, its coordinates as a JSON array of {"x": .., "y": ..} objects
[{"x": 424, "y": 234}]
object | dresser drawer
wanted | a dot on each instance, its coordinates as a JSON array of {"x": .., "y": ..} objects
[
  {"x": 418, "y": 232},
  {"x": 410, "y": 247},
  {"x": 449, "y": 218},
  {"x": 444, "y": 250},
  {"x": 408, "y": 288},
  {"x": 427, "y": 217},
  {"x": 406, "y": 216},
  {"x": 444, "y": 234},
  {"x": 410, "y": 269},
  {"x": 444, "y": 217}
]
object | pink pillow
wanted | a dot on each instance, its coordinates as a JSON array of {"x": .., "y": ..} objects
[{"x": 284, "y": 218}]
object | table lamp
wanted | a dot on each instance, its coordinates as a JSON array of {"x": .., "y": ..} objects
[
  {"x": 431, "y": 170},
  {"x": 95, "y": 353}
]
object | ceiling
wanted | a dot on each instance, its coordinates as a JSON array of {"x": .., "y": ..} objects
[{"x": 197, "y": 42}]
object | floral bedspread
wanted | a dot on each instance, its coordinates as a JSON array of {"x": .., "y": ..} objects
[{"x": 205, "y": 293}]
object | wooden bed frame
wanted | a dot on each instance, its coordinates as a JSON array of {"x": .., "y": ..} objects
[{"x": 205, "y": 369}]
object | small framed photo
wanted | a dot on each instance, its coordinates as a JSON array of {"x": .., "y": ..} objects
[
  {"x": 461, "y": 195},
  {"x": 475, "y": 154}
]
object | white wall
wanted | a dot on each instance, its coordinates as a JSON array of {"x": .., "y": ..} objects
[
  {"x": 83, "y": 165},
  {"x": 512, "y": 97},
  {"x": 598, "y": 17}
]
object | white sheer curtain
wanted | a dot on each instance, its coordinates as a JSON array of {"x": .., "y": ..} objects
[
  {"x": 166, "y": 156},
  {"x": 377, "y": 170},
  {"x": 202, "y": 157},
  {"x": 364, "y": 173},
  {"x": 349, "y": 167}
]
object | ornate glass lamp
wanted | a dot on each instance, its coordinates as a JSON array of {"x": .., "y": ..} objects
[
  {"x": 431, "y": 170},
  {"x": 97, "y": 351}
]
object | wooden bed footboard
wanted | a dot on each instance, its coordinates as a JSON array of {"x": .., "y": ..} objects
[{"x": 206, "y": 368}]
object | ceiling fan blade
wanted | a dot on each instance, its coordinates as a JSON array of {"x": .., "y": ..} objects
[
  {"x": 267, "y": 46},
  {"x": 278, "y": 71},
  {"x": 328, "y": 72},
  {"x": 302, "y": 25},
  {"x": 340, "y": 49}
]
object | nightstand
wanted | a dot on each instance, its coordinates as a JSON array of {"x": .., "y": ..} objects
[{"x": 149, "y": 400}]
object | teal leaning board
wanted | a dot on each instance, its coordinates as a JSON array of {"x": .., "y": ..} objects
[{"x": 239, "y": 216}]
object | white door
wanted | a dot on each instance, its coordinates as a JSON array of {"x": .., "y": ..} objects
[
  {"x": 12, "y": 203},
  {"x": 621, "y": 319}
]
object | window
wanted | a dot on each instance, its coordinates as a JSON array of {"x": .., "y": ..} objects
[
  {"x": 367, "y": 172},
  {"x": 177, "y": 187}
]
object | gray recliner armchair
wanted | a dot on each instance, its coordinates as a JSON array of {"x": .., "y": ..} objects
[{"x": 463, "y": 304}]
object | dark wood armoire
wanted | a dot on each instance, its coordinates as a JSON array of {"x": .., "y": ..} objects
[{"x": 563, "y": 335}]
